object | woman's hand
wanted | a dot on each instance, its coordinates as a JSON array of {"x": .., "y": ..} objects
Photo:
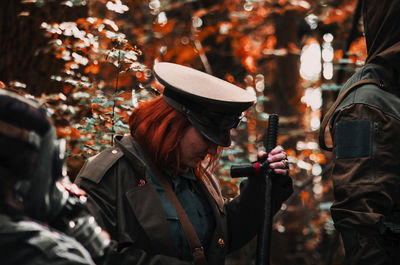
[{"x": 277, "y": 160}]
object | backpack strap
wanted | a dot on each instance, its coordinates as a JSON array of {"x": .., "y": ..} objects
[{"x": 328, "y": 115}]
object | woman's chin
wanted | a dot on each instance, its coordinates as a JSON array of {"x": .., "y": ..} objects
[{"x": 193, "y": 164}]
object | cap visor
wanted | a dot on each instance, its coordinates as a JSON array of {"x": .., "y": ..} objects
[{"x": 219, "y": 137}]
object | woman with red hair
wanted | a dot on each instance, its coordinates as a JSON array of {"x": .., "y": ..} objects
[
  {"x": 154, "y": 191},
  {"x": 151, "y": 125}
]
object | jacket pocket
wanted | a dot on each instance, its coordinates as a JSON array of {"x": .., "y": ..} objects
[{"x": 353, "y": 139}]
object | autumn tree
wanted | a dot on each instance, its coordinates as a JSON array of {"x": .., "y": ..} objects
[{"x": 91, "y": 62}]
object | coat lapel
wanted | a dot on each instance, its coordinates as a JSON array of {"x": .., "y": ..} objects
[
  {"x": 146, "y": 205},
  {"x": 212, "y": 189}
]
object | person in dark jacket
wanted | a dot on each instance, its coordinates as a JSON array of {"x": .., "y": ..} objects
[
  {"x": 154, "y": 191},
  {"x": 29, "y": 196},
  {"x": 365, "y": 126}
]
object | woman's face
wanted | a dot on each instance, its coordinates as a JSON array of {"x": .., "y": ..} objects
[{"x": 194, "y": 148}]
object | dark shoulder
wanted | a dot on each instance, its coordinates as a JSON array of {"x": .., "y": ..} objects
[{"x": 96, "y": 167}]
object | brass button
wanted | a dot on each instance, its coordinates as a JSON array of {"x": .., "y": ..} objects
[
  {"x": 221, "y": 242},
  {"x": 141, "y": 182}
]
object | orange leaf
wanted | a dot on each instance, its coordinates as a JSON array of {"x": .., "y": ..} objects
[
  {"x": 186, "y": 53},
  {"x": 282, "y": 2},
  {"x": 67, "y": 131},
  {"x": 270, "y": 42},
  {"x": 67, "y": 89},
  {"x": 81, "y": 21},
  {"x": 319, "y": 158},
  {"x": 75, "y": 132},
  {"x": 304, "y": 195},
  {"x": 358, "y": 47},
  {"x": 199, "y": 13},
  {"x": 125, "y": 80},
  {"x": 263, "y": 12},
  {"x": 76, "y": 150},
  {"x": 141, "y": 77},
  {"x": 126, "y": 95},
  {"x": 229, "y": 78},
  {"x": 306, "y": 153},
  {"x": 63, "y": 132},
  {"x": 91, "y": 142},
  {"x": 165, "y": 28},
  {"x": 92, "y": 69},
  {"x": 208, "y": 31},
  {"x": 293, "y": 48},
  {"x": 249, "y": 63},
  {"x": 290, "y": 152},
  {"x": 338, "y": 54},
  {"x": 251, "y": 124}
]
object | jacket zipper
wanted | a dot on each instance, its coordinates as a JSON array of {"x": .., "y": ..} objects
[{"x": 375, "y": 135}]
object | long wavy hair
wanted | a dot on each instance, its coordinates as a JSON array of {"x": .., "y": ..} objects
[{"x": 159, "y": 129}]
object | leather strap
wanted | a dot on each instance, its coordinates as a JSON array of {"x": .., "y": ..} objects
[
  {"x": 328, "y": 115},
  {"x": 191, "y": 235}
]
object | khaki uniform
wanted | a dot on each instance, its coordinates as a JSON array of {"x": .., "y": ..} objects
[{"x": 125, "y": 203}]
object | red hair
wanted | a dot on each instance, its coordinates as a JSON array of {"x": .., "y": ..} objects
[{"x": 159, "y": 129}]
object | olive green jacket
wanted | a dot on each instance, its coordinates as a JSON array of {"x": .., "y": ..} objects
[
  {"x": 366, "y": 170},
  {"x": 125, "y": 203}
]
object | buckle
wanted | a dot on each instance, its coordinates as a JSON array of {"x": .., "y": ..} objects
[{"x": 198, "y": 252}]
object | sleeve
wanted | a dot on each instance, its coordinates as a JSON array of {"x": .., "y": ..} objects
[
  {"x": 44, "y": 245},
  {"x": 132, "y": 255},
  {"x": 244, "y": 213},
  {"x": 101, "y": 204},
  {"x": 366, "y": 181},
  {"x": 34, "y": 255}
]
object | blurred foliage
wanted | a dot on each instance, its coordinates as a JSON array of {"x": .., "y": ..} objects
[{"x": 91, "y": 62}]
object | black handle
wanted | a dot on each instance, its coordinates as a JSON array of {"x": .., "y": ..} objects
[
  {"x": 272, "y": 132},
  {"x": 264, "y": 235},
  {"x": 261, "y": 168},
  {"x": 249, "y": 170}
]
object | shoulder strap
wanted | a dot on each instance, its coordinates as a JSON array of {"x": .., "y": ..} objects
[
  {"x": 191, "y": 235},
  {"x": 328, "y": 115}
]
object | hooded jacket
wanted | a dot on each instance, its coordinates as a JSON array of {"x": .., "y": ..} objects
[
  {"x": 124, "y": 201},
  {"x": 365, "y": 128}
]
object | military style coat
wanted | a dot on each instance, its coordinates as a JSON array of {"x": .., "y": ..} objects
[
  {"x": 125, "y": 203},
  {"x": 366, "y": 172},
  {"x": 365, "y": 130}
]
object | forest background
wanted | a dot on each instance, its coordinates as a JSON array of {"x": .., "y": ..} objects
[{"x": 90, "y": 61}]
